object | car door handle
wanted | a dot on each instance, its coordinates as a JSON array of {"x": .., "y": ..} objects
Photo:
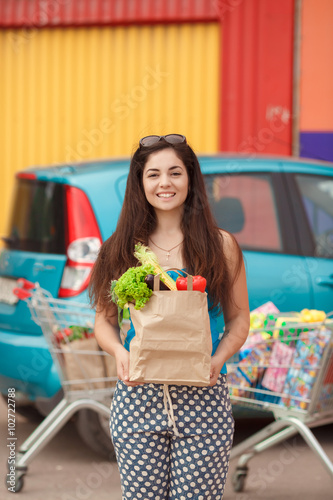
[{"x": 325, "y": 280}]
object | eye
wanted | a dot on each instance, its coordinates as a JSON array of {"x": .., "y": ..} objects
[{"x": 151, "y": 173}]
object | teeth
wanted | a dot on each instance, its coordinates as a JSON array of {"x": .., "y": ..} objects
[{"x": 165, "y": 195}]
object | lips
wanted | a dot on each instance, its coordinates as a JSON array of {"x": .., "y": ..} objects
[{"x": 166, "y": 195}]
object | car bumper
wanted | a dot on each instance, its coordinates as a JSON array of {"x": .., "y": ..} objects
[{"x": 26, "y": 364}]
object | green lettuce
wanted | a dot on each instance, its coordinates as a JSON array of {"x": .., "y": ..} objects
[{"x": 131, "y": 287}]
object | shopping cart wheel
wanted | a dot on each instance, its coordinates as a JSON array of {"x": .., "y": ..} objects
[
  {"x": 19, "y": 482},
  {"x": 238, "y": 478}
]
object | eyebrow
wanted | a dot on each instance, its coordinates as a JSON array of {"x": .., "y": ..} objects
[{"x": 157, "y": 169}]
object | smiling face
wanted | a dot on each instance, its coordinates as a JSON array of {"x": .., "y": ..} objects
[{"x": 165, "y": 180}]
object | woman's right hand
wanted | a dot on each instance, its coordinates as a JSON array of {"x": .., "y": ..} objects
[
  {"x": 122, "y": 360},
  {"x": 107, "y": 336}
]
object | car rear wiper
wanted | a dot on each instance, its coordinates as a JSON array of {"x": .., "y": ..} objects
[{"x": 10, "y": 240}]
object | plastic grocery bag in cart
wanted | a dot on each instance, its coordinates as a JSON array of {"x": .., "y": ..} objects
[
  {"x": 286, "y": 369},
  {"x": 68, "y": 329},
  {"x": 87, "y": 374},
  {"x": 81, "y": 362}
]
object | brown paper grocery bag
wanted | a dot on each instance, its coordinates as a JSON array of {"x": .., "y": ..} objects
[
  {"x": 172, "y": 342},
  {"x": 82, "y": 366}
]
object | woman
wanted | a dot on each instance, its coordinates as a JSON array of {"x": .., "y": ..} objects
[{"x": 166, "y": 208}]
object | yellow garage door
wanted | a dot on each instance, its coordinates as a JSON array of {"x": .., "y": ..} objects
[{"x": 70, "y": 94}]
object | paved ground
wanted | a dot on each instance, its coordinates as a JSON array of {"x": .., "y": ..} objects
[{"x": 67, "y": 470}]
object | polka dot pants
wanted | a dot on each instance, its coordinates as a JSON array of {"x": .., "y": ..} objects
[{"x": 154, "y": 462}]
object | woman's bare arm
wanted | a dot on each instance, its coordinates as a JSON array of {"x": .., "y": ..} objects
[
  {"x": 236, "y": 315},
  {"x": 108, "y": 338}
]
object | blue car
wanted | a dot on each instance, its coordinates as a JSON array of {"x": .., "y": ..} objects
[{"x": 280, "y": 210}]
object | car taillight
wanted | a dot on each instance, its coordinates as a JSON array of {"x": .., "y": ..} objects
[{"x": 83, "y": 240}]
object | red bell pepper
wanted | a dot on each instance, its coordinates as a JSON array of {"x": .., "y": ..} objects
[{"x": 199, "y": 283}]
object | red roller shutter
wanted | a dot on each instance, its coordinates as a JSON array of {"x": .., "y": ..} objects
[
  {"x": 257, "y": 70},
  {"x": 48, "y": 13}
]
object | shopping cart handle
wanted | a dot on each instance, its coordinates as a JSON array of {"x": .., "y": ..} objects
[
  {"x": 25, "y": 284},
  {"x": 21, "y": 293}
]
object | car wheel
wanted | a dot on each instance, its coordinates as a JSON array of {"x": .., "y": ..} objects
[{"x": 94, "y": 431}]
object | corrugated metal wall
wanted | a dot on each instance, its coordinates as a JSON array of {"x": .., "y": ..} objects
[
  {"x": 316, "y": 90},
  {"x": 78, "y": 93}
]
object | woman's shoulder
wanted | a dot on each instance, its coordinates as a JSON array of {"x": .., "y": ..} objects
[
  {"x": 229, "y": 241},
  {"x": 231, "y": 248}
]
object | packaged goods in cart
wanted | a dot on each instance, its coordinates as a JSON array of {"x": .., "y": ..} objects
[
  {"x": 310, "y": 346},
  {"x": 254, "y": 356},
  {"x": 269, "y": 318},
  {"x": 266, "y": 308},
  {"x": 237, "y": 382},
  {"x": 287, "y": 336},
  {"x": 281, "y": 359},
  {"x": 292, "y": 379},
  {"x": 256, "y": 320},
  {"x": 275, "y": 375},
  {"x": 258, "y": 339},
  {"x": 258, "y": 315},
  {"x": 303, "y": 372},
  {"x": 312, "y": 316},
  {"x": 275, "y": 322},
  {"x": 325, "y": 398}
]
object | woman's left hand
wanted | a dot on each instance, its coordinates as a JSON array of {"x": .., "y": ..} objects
[{"x": 215, "y": 369}]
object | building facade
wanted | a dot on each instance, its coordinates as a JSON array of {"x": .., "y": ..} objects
[{"x": 86, "y": 79}]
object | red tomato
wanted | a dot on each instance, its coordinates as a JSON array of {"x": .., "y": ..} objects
[{"x": 199, "y": 283}]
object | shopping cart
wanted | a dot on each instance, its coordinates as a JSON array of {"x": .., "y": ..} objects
[
  {"x": 287, "y": 371},
  {"x": 87, "y": 374}
]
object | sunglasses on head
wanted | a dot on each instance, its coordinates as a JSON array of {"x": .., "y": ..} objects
[{"x": 149, "y": 140}]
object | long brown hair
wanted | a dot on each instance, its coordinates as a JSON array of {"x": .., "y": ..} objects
[{"x": 203, "y": 246}]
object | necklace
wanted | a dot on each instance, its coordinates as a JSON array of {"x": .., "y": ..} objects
[{"x": 167, "y": 251}]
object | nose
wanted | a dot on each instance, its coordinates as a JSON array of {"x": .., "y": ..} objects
[{"x": 164, "y": 180}]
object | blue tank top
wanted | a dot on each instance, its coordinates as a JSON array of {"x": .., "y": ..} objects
[{"x": 213, "y": 317}]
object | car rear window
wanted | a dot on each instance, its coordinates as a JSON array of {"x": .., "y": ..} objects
[{"x": 37, "y": 222}]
